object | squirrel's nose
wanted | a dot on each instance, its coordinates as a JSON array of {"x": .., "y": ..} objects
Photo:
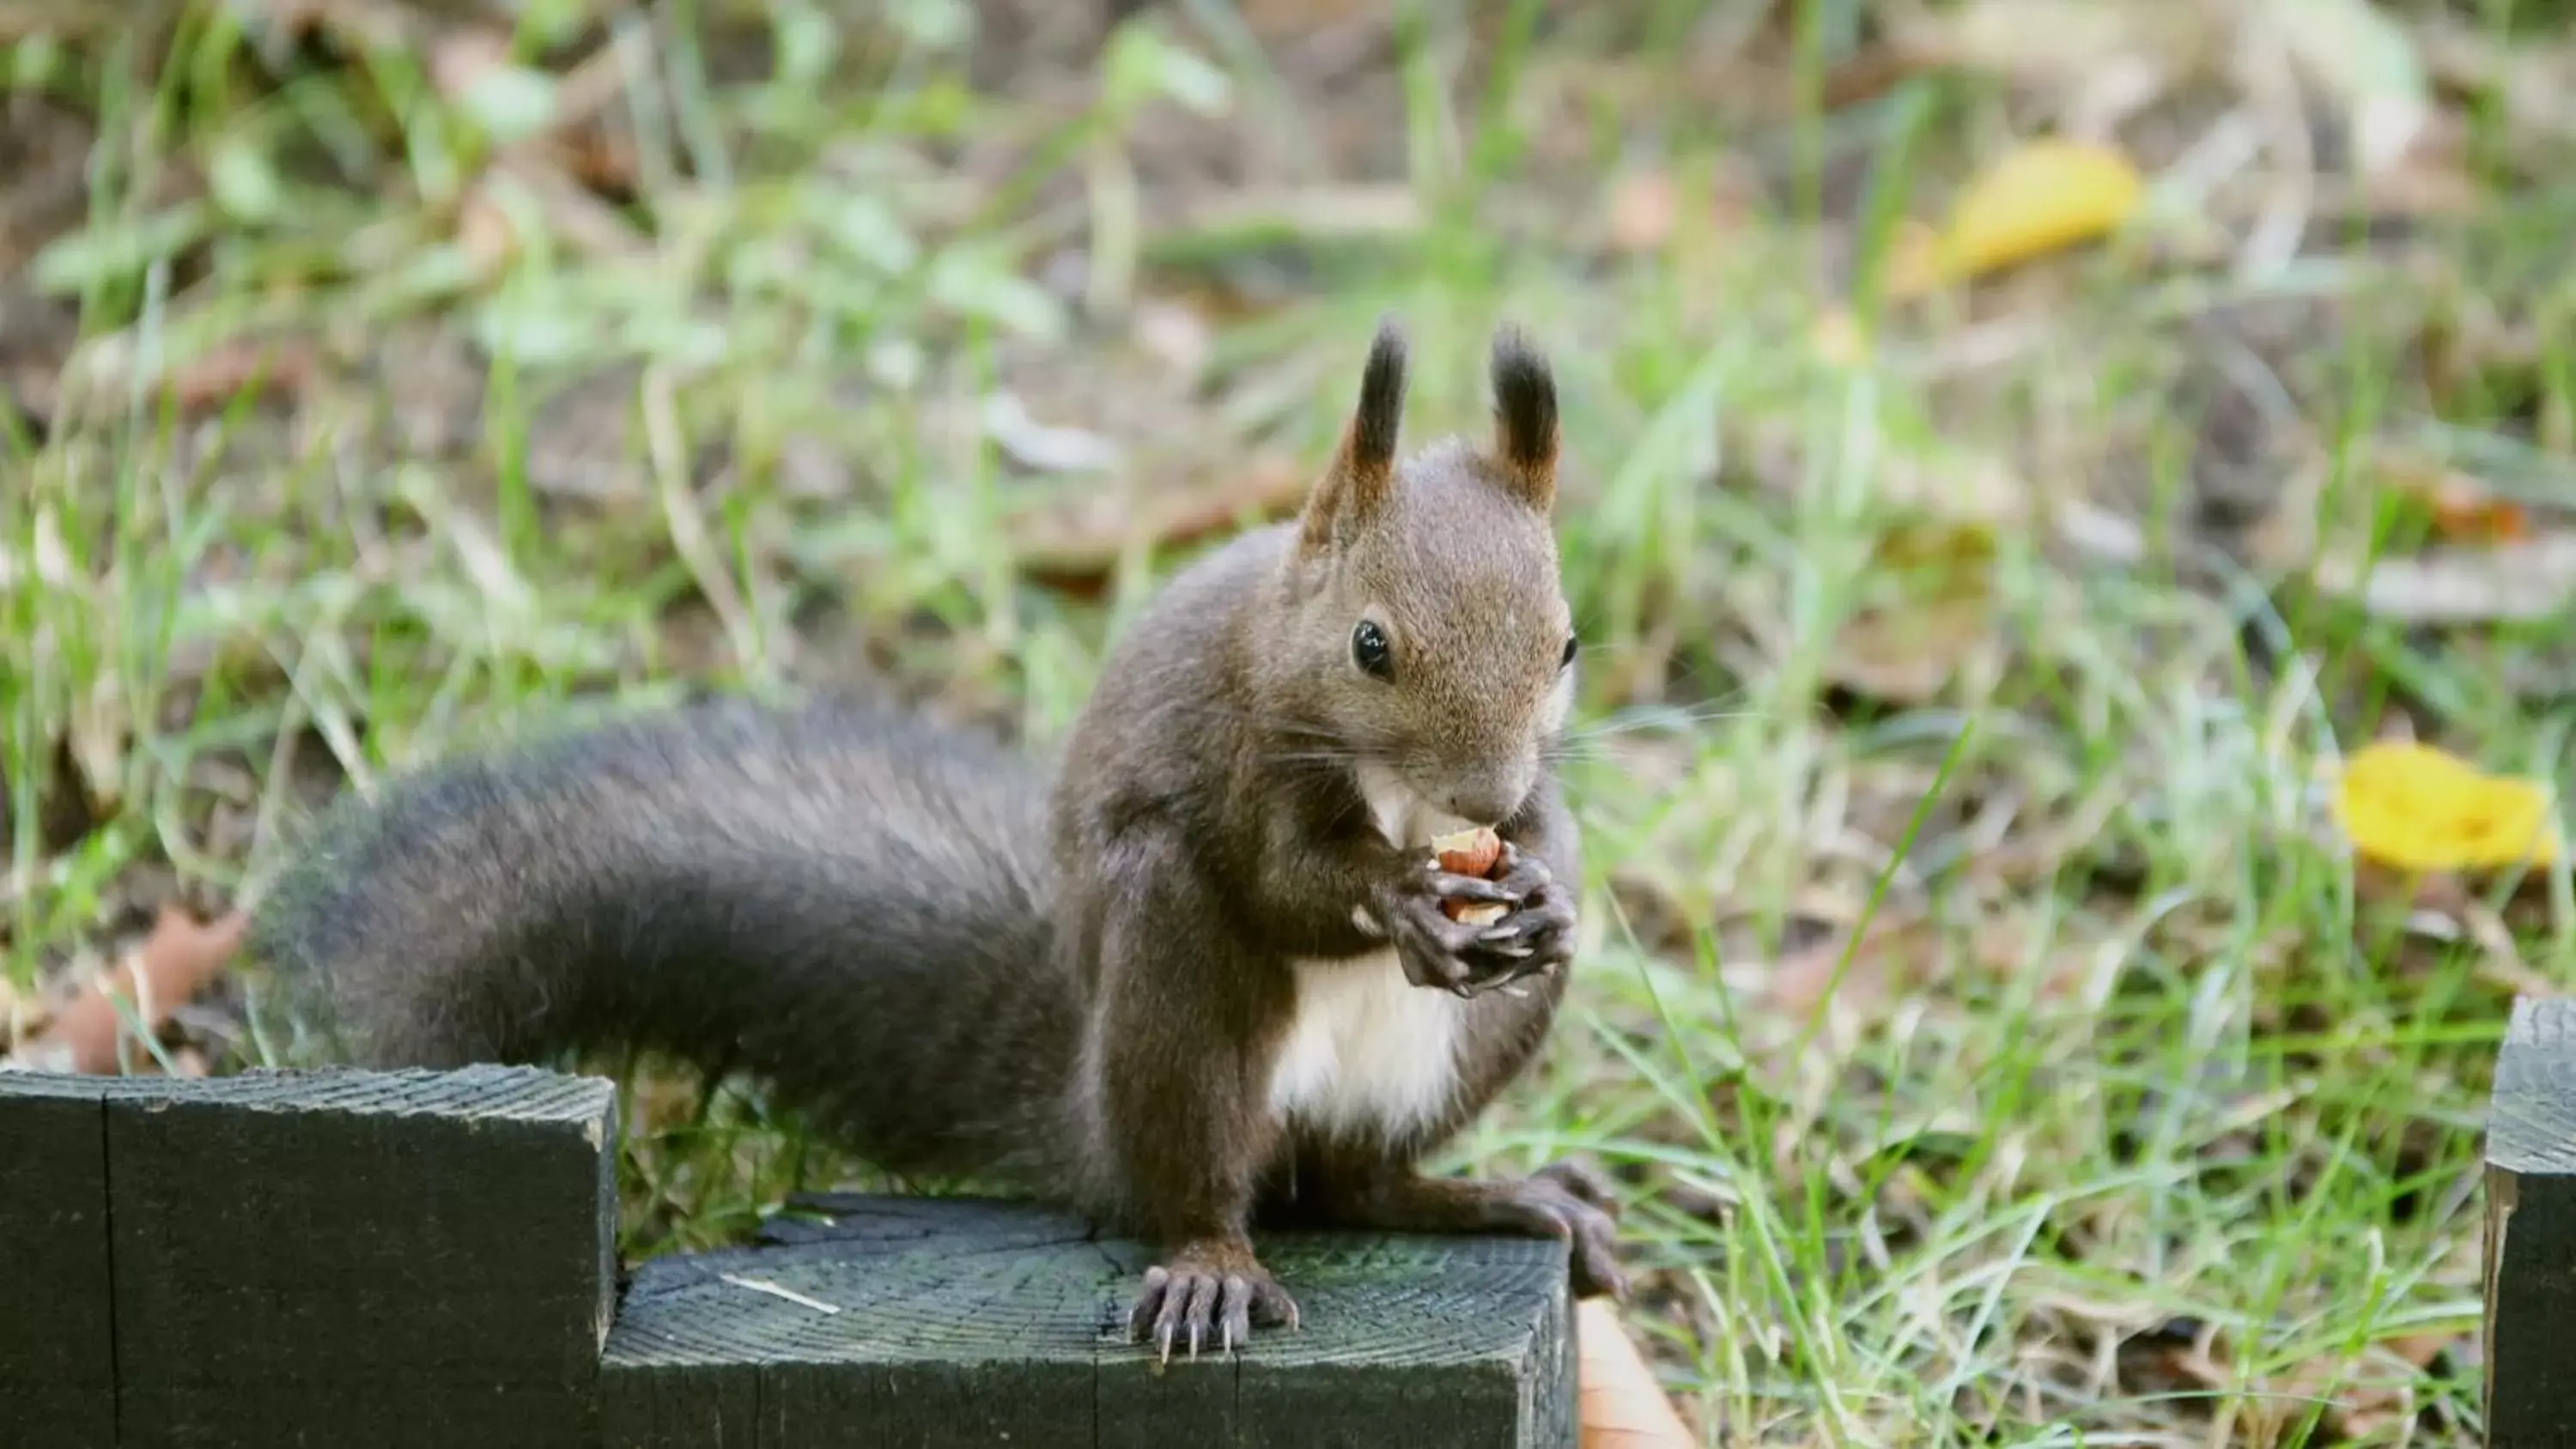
[{"x": 1486, "y": 802}]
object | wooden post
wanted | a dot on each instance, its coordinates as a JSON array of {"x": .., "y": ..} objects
[
  {"x": 428, "y": 1259},
  {"x": 2531, "y": 1230},
  {"x": 57, "y": 1336},
  {"x": 333, "y": 1257}
]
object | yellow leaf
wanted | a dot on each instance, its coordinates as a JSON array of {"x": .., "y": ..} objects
[
  {"x": 2044, "y": 197},
  {"x": 2412, "y": 807}
]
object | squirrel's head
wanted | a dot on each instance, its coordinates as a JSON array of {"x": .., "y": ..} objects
[{"x": 1431, "y": 635}]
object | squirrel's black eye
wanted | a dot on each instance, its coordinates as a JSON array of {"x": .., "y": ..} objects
[
  {"x": 1368, "y": 649},
  {"x": 1568, "y": 660}
]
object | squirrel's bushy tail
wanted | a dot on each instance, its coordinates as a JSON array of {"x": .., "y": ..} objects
[{"x": 838, "y": 898}]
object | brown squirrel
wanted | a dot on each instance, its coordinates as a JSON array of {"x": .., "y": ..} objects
[{"x": 1199, "y": 977}]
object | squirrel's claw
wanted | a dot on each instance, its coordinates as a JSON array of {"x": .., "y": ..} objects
[
  {"x": 1194, "y": 1302},
  {"x": 1447, "y": 885},
  {"x": 1235, "y": 1321},
  {"x": 1533, "y": 940}
]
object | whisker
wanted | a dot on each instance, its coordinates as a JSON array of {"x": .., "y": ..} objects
[{"x": 1636, "y": 721}]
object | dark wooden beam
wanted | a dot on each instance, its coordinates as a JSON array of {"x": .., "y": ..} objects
[
  {"x": 57, "y": 1333},
  {"x": 2531, "y": 1230},
  {"x": 967, "y": 1321},
  {"x": 330, "y": 1257},
  {"x": 428, "y": 1259}
]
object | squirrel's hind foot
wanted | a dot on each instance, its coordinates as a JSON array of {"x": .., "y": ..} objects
[
  {"x": 1208, "y": 1293},
  {"x": 1563, "y": 1200},
  {"x": 1593, "y": 1220}
]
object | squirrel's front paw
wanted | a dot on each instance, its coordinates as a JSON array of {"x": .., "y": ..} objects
[
  {"x": 1536, "y": 937},
  {"x": 1208, "y": 1291},
  {"x": 1433, "y": 949}
]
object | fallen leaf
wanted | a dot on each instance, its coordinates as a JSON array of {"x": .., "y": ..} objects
[
  {"x": 602, "y": 160},
  {"x": 1619, "y": 1403},
  {"x": 2462, "y": 509},
  {"x": 1867, "y": 76},
  {"x": 1911, "y": 651},
  {"x": 2044, "y": 197},
  {"x": 2354, "y": 1398},
  {"x": 2414, "y": 807},
  {"x": 1909, "y": 655},
  {"x": 1935, "y": 612},
  {"x": 103, "y": 375},
  {"x": 1804, "y": 980},
  {"x": 2366, "y": 1410},
  {"x": 165, "y": 971},
  {"x": 220, "y": 374}
]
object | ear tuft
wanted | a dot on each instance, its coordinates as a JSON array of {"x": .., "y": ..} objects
[
  {"x": 1362, "y": 475},
  {"x": 1525, "y": 429}
]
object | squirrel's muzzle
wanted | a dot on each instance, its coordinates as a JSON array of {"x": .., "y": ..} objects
[{"x": 1486, "y": 795}]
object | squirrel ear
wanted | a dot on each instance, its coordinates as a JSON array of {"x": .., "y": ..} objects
[
  {"x": 1362, "y": 475},
  {"x": 1524, "y": 418}
]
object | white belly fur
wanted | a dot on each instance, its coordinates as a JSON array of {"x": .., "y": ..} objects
[{"x": 1369, "y": 1052}]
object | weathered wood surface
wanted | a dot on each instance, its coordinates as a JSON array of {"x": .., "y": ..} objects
[
  {"x": 978, "y": 1322},
  {"x": 428, "y": 1259},
  {"x": 2531, "y": 1231},
  {"x": 342, "y": 1257}
]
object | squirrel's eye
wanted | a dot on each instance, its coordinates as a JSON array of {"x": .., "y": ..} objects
[
  {"x": 1368, "y": 649},
  {"x": 1568, "y": 660}
]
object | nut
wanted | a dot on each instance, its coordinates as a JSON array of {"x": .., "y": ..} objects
[{"x": 1471, "y": 852}]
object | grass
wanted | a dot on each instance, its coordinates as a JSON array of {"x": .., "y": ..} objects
[{"x": 2012, "y": 1054}]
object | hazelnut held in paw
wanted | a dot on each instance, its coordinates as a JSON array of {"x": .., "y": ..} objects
[{"x": 1471, "y": 852}]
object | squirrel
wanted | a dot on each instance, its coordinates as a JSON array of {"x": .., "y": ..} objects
[{"x": 1196, "y": 976}]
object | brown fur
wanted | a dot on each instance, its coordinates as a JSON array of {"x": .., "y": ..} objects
[{"x": 1082, "y": 984}]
